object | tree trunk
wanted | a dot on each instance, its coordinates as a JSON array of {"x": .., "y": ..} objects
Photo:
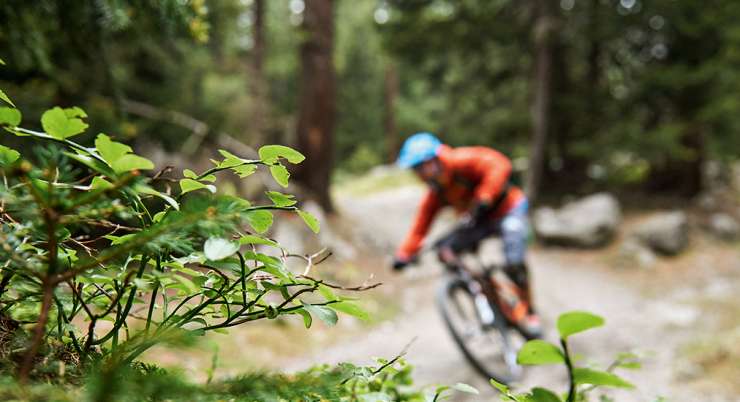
[
  {"x": 258, "y": 86},
  {"x": 681, "y": 176},
  {"x": 543, "y": 32},
  {"x": 390, "y": 94},
  {"x": 317, "y": 101}
]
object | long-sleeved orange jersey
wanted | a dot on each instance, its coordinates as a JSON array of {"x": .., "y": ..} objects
[{"x": 470, "y": 175}]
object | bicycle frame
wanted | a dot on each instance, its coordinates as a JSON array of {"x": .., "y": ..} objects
[{"x": 487, "y": 310}]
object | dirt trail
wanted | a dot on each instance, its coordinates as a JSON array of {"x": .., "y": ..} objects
[{"x": 563, "y": 281}]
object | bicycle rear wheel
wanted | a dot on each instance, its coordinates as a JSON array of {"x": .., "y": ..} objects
[{"x": 490, "y": 348}]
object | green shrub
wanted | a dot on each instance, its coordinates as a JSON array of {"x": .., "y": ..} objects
[{"x": 88, "y": 239}]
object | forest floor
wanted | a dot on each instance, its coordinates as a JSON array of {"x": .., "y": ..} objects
[{"x": 681, "y": 314}]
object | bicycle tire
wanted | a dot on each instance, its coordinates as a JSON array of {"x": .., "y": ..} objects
[{"x": 448, "y": 292}]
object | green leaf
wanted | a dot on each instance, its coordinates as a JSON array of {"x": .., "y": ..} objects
[
  {"x": 259, "y": 220},
  {"x": 502, "y": 388},
  {"x": 244, "y": 170},
  {"x": 307, "y": 320},
  {"x": 271, "y": 153},
  {"x": 60, "y": 124},
  {"x": 544, "y": 395},
  {"x": 8, "y": 155},
  {"x": 628, "y": 360},
  {"x": 435, "y": 396},
  {"x": 327, "y": 293},
  {"x": 186, "y": 283},
  {"x": 75, "y": 111},
  {"x": 130, "y": 162},
  {"x": 630, "y": 365},
  {"x": 217, "y": 248},
  {"x": 158, "y": 216},
  {"x": 539, "y": 352},
  {"x": 280, "y": 199},
  {"x": 10, "y": 116},
  {"x": 2, "y": 62},
  {"x": 148, "y": 190},
  {"x": 272, "y": 265},
  {"x": 577, "y": 321},
  {"x": 595, "y": 377},
  {"x": 99, "y": 183},
  {"x": 188, "y": 185},
  {"x": 116, "y": 240},
  {"x": 465, "y": 388},
  {"x": 5, "y": 98},
  {"x": 110, "y": 150},
  {"x": 323, "y": 313},
  {"x": 192, "y": 175},
  {"x": 280, "y": 174},
  {"x": 350, "y": 308},
  {"x": 91, "y": 162},
  {"x": 310, "y": 221},
  {"x": 252, "y": 239},
  {"x": 228, "y": 155}
]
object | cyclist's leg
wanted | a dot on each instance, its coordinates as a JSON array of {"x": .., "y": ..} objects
[{"x": 514, "y": 228}]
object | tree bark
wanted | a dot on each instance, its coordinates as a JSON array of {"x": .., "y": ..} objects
[
  {"x": 257, "y": 82},
  {"x": 542, "y": 102},
  {"x": 390, "y": 94},
  {"x": 682, "y": 177},
  {"x": 317, "y": 101}
]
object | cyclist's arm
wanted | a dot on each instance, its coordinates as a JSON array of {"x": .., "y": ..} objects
[
  {"x": 427, "y": 211},
  {"x": 493, "y": 167}
]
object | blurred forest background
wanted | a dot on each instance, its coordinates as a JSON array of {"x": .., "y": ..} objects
[
  {"x": 582, "y": 94},
  {"x": 640, "y": 98}
]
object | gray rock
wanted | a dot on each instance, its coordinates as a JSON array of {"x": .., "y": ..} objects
[
  {"x": 633, "y": 252},
  {"x": 708, "y": 201},
  {"x": 724, "y": 226},
  {"x": 588, "y": 222},
  {"x": 666, "y": 233}
]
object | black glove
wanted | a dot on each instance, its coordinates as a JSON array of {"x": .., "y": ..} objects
[
  {"x": 481, "y": 211},
  {"x": 479, "y": 214},
  {"x": 400, "y": 263}
]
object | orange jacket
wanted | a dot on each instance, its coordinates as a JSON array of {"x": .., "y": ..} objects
[{"x": 470, "y": 175}]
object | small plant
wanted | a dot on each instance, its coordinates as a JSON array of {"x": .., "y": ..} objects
[
  {"x": 582, "y": 380},
  {"x": 100, "y": 262}
]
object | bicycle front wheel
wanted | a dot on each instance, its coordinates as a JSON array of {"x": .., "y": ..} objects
[{"x": 490, "y": 348}]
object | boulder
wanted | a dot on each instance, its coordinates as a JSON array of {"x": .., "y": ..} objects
[
  {"x": 634, "y": 253},
  {"x": 588, "y": 222},
  {"x": 666, "y": 233},
  {"x": 724, "y": 226}
]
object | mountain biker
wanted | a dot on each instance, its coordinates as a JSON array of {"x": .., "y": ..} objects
[{"x": 475, "y": 182}]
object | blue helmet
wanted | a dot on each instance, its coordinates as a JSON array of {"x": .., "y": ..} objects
[{"x": 418, "y": 148}]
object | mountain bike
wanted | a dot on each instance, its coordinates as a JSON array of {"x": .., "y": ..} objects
[{"x": 479, "y": 305}]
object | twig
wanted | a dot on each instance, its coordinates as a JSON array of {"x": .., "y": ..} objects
[
  {"x": 310, "y": 259},
  {"x": 360, "y": 288},
  {"x": 165, "y": 170}
]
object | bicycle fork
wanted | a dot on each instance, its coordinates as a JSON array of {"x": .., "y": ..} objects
[
  {"x": 487, "y": 317},
  {"x": 482, "y": 305}
]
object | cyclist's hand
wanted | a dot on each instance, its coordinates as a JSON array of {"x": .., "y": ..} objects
[
  {"x": 399, "y": 264},
  {"x": 477, "y": 215}
]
